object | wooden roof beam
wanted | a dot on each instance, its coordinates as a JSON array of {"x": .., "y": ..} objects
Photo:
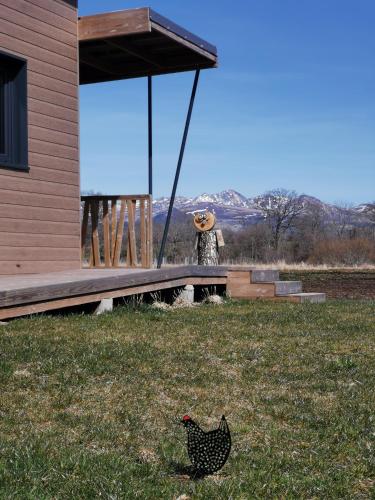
[
  {"x": 95, "y": 63},
  {"x": 131, "y": 49},
  {"x": 114, "y": 24}
]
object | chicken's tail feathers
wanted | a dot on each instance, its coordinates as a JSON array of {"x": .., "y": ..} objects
[{"x": 224, "y": 425}]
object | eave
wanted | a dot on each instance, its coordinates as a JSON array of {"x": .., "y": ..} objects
[{"x": 137, "y": 43}]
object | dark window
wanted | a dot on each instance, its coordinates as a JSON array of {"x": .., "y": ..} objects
[
  {"x": 13, "y": 112},
  {"x": 2, "y": 107}
]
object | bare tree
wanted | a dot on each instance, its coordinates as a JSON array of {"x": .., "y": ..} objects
[
  {"x": 343, "y": 219},
  {"x": 370, "y": 211},
  {"x": 280, "y": 209}
]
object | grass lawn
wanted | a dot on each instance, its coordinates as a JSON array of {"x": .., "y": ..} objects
[{"x": 89, "y": 406}]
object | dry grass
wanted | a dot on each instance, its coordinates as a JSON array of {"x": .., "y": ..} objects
[
  {"x": 89, "y": 406},
  {"x": 282, "y": 265}
]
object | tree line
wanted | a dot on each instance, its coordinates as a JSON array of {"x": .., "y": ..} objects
[{"x": 289, "y": 230}]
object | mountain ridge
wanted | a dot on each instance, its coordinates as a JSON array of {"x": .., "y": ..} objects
[{"x": 236, "y": 210}]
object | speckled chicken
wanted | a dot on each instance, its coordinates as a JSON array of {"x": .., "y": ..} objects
[{"x": 208, "y": 451}]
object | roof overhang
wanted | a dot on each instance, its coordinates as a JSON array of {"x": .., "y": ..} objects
[{"x": 136, "y": 43}]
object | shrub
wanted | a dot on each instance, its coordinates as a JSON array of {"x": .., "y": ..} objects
[{"x": 348, "y": 252}]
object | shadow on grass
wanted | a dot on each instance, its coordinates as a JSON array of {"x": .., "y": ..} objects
[{"x": 183, "y": 471}]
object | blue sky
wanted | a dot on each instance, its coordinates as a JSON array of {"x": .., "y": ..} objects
[{"x": 291, "y": 105}]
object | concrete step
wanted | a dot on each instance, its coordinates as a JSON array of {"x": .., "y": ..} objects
[
  {"x": 283, "y": 288},
  {"x": 264, "y": 275},
  {"x": 312, "y": 297}
]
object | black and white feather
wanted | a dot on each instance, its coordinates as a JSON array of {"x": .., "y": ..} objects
[{"x": 208, "y": 451}]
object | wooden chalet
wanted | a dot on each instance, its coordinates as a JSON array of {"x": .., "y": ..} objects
[{"x": 48, "y": 234}]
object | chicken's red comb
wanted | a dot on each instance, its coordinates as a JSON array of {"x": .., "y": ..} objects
[{"x": 185, "y": 418}]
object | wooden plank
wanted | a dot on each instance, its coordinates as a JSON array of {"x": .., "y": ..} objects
[
  {"x": 48, "y": 148},
  {"x": 207, "y": 271},
  {"x": 113, "y": 228},
  {"x": 85, "y": 221},
  {"x": 119, "y": 197},
  {"x": 52, "y": 97},
  {"x": 18, "y": 311},
  {"x": 41, "y": 54},
  {"x": 97, "y": 281},
  {"x": 13, "y": 197},
  {"x": 40, "y": 13},
  {"x": 106, "y": 235},
  {"x": 45, "y": 174},
  {"x": 41, "y": 187},
  {"x": 143, "y": 71},
  {"x": 40, "y": 61},
  {"x": 60, "y": 9},
  {"x": 59, "y": 138},
  {"x": 99, "y": 64},
  {"x": 150, "y": 234},
  {"x": 37, "y": 254},
  {"x": 132, "y": 248},
  {"x": 59, "y": 86},
  {"x": 54, "y": 124},
  {"x": 119, "y": 235},
  {"x": 47, "y": 69},
  {"x": 34, "y": 24},
  {"x": 239, "y": 286},
  {"x": 29, "y": 226},
  {"x": 38, "y": 240},
  {"x": 242, "y": 277},
  {"x": 206, "y": 281},
  {"x": 32, "y": 267},
  {"x": 53, "y": 163},
  {"x": 54, "y": 111},
  {"x": 114, "y": 24},
  {"x": 12, "y": 29},
  {"x": 144, "y": 260},
  {"x": 94, "y": 209},
  {"x": 85, "y": 299},
  {"x": 38, "y": 213},
  {"x": 130, "y": 48}
]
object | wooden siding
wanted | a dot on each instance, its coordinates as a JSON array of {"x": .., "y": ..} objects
[{"x": 40, "y": 208}]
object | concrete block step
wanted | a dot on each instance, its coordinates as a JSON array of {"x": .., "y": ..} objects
[
  {"x": 312, "y": 297},
  {"x": 264, "y": 275},
  {"x": 287, "y": 287}
]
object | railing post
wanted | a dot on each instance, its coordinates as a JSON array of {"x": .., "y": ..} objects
[
  {"x": 85, "y": 221},
  {"x": 150, "y": 235},
  {"x": 107, "y": 230}
]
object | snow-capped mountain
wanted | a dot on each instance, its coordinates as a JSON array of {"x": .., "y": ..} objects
[
  {"x": 228, "y": 198},
  {"x": 236, "y": 210},
  {"x": 231, "y": 208}
]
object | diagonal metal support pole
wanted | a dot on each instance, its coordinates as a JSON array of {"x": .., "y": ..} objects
[{"x": 178, "y": 169}]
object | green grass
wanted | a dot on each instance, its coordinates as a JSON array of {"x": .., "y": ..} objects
[{"x": 89, "y": 406}]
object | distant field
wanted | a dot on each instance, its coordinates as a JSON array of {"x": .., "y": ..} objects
[
  {"x": 337, "y": 283},
  {"x": 89, "y": 406}
]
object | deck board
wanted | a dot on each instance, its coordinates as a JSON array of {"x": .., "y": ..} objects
[{"x": 29, "y": 289}]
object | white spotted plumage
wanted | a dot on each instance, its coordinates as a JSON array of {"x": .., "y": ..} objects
[{"x": 208, "y": 451}]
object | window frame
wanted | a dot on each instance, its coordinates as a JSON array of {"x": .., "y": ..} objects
[{"x": 13, "y": 79}]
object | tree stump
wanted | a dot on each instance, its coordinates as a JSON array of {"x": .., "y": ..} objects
[{"x": 208, "y": 254}]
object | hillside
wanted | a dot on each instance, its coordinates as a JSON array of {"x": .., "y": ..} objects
[{"x": 236, "y": 210}]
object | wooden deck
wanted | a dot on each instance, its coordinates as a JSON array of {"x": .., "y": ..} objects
[{"x": 27, "y": 294}]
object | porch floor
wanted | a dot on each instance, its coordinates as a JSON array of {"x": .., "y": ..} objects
[{"x": 27, "y": 294}]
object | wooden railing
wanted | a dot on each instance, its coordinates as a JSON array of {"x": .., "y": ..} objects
[{"x": 117, "y": 231}]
